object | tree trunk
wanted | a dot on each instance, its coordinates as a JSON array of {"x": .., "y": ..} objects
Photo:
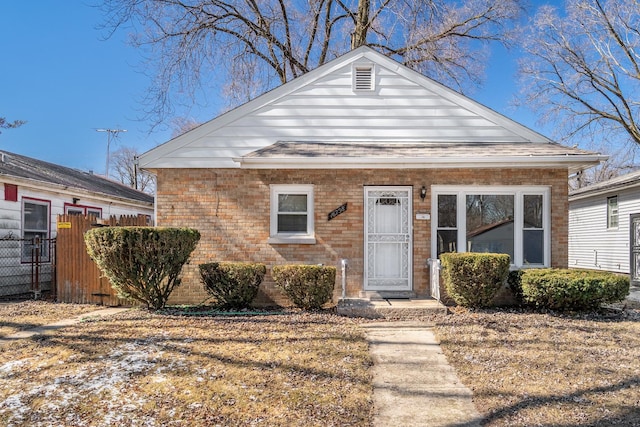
[{"x": 359, "y": 36}]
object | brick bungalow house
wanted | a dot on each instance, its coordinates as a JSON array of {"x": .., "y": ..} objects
[{"x": 366, "y": 160}]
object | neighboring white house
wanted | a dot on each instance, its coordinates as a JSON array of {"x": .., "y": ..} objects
[
  {"x": 604, "y": 226},
  {"x": 32, "y": 195}
]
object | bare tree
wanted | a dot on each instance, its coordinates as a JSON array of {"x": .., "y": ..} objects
[
  {"x": 181, "y": 125},
  {"x": 252, "y": 46},
  {"x": 4, "y": 124},
  {"x": 621, "y": 161},
  {"x": 582, "y": 70},
  {"x": 126, "y": 170}
]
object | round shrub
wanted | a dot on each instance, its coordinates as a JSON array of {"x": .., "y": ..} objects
[
  {"x": 473, "y": 279},
  {"x": 142, "y": 263},
  {"x": 564, "y": 289},
  {"x": 232, "y": 284},
  {"x": 307, "y": 286}
]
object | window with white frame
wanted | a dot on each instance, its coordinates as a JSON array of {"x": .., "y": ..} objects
[
  {"x": 292, "y": 214},
  {"x": 70, "y": 209},
  {"x": 511, "y": 220},
  {"x": 35, "y": 227},
  {"x": 612, "y": 212}
]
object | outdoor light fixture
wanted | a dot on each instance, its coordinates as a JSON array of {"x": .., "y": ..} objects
[
  {"x": 423, "y": 192},
  {"x": 75, "y": 200}
]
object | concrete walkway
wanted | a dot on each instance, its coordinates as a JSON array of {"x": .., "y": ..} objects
[
  {"x": 62, "y": 323},
  {"x": 414, "y": 385}
]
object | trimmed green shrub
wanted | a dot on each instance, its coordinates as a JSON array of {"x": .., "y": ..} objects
[
  {"x": 307, "y": 286},
  {"x": 564, "y": 289},
  {"x": 473, "y": 279},
  {"x": 514, "y": 281},
  {"x": 232, "y": 284},
  {"x": 142, "y": 263}
]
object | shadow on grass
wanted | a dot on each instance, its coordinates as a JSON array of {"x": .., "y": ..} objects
[
  {"x": 271, "y": 334},
  {"x": 629, "y": 416}
]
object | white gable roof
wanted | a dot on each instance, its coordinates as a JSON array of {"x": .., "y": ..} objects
[{"x": 322, "y": 106}]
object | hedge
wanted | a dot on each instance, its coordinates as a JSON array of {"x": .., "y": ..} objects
[
  {"x": 307, "y": 286},
  {"x": 564, "y": 289},
  {"x": 142, "y": 263},
  {"x": 232, "y": 284},
  {"x": 473, "y": 279}
]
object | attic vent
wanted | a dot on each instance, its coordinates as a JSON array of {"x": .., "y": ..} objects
[{"x": 363, "y": 77}]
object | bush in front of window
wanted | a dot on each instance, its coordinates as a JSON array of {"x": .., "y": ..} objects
[
  {"x": 473, "y": 279},
  {"x": 569, "y": 290},
  {"x": 307, "y": 286},
  {"x": 142, "y": 263},
  {"x": 233, "y": 285},
  {"x": 514, "y": 282}
]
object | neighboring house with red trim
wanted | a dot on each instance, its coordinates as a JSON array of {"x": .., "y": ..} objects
[
  {"x": 368, "y": 161},
  {"x": 32, "y": 195}
]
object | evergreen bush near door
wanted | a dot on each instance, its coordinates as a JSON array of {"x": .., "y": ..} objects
[
  {"x": 307, "y": 286},
  {"x": 473, "y": 279},
  {"x": 142, "y": 263}
]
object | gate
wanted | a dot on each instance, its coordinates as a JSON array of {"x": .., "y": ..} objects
[
  {"x": 27, "y": 266},
  {"x": 79, "y": 280}
]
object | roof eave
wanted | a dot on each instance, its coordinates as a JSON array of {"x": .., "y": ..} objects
[
  {"x": 71, "y": 190},
  {"x": 573, "y": 162}
]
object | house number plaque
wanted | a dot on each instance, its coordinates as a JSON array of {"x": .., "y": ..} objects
[{"x": 337, "y": 211}]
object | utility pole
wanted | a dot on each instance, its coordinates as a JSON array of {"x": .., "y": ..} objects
[{"x": 110, "y": 133}]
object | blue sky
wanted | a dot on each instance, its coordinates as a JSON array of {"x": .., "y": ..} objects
[{"x": 59, "y": 74}]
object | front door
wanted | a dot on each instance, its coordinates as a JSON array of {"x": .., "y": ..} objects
[
  {"x": 388, "y": 240},
  {"x": 634, "y": 264}
]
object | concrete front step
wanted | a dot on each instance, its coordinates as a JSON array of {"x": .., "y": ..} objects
[{"x": 391, "y": 309}]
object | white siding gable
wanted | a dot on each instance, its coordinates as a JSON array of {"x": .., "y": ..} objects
[{"x": 322, "y": 105}]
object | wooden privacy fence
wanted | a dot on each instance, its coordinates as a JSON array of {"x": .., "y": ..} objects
[{"x": 79, "y": 280}]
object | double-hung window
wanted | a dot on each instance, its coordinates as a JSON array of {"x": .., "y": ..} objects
[
  {"x": 35, "y": 225},
  {"x": 612, "y": 212},
  {"x": 292, "y": 214},
  {"x": 509, "y": 220}
]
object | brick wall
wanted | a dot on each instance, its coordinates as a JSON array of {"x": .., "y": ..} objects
[{"x": 230, "y": 208}]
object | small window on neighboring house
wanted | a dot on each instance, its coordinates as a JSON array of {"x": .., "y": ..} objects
[
  {"x": 612, "y": 212},
  {"x": 10, "y": 192},
  {"x": 70, "y": 210},
  {"x": 82, "y": 210},
  {"x": 94, "y": 212},
  {"x": 363, "y": 77},
  {"x": 292, "y": 214},
  {"x": 35, "y": 227}
]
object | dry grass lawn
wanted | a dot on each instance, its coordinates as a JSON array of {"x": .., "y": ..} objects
[
  {"x": 302, "y": 369},
  {"x": 143, "y": 369},
  {"x": 19, "y": 316},
  {"x": 532, "y": 369}
]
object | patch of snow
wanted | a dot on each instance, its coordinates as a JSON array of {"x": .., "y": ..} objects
[{"x": 104, "y": 377}]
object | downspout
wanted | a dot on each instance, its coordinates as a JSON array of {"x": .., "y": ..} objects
[{"x": 343, "y": 263}]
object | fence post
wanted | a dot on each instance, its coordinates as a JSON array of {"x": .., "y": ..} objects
[{"x": 35, "y": 263}]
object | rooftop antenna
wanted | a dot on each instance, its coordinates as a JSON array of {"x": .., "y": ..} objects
[{"x": 110, "y": 133}]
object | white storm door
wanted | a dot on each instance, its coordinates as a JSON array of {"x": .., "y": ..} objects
[{"x": 387, "y": 239}]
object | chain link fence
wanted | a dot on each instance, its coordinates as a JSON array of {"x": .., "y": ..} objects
[{"x": 27, "y": 267}]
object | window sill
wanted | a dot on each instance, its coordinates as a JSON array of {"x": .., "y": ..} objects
[{"x": 302, "y": 240}]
